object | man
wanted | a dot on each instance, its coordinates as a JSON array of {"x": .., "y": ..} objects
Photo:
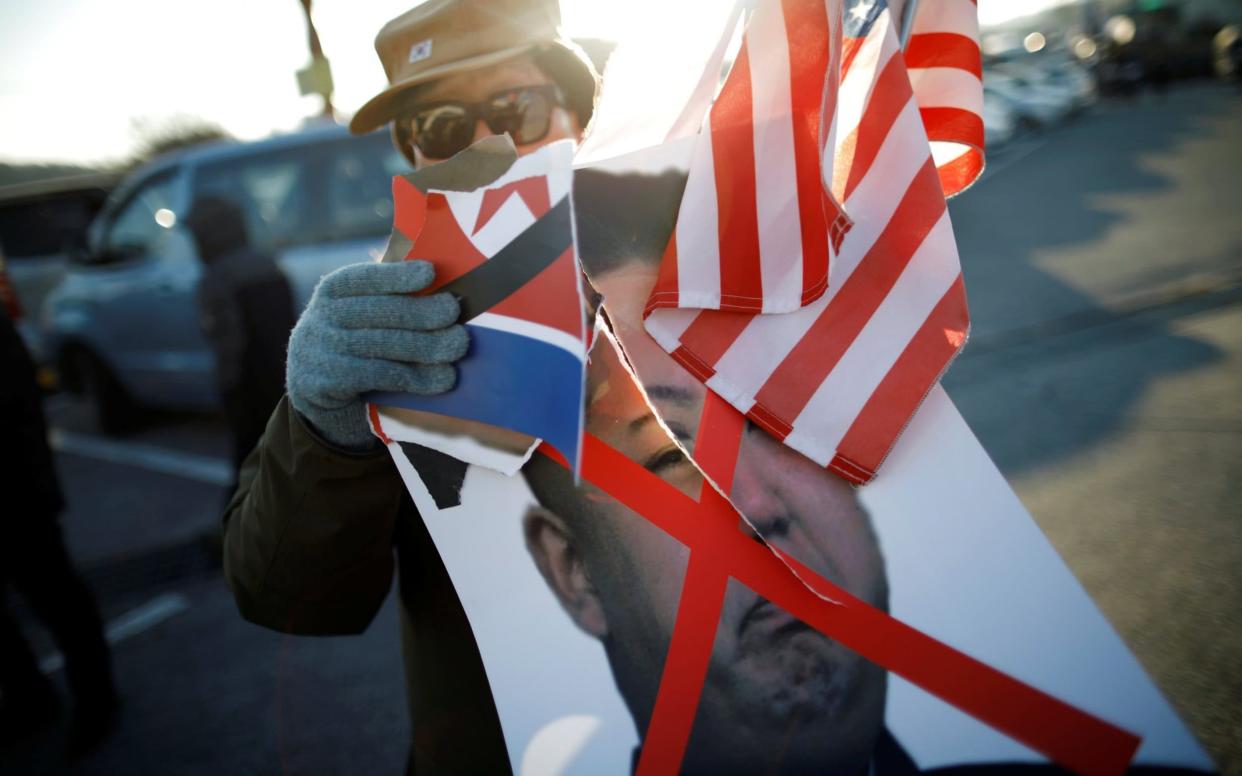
[
  {"x": 779, "y": 697},
  {"x": 35, "y": 563},
  {"x": 246, "y": 312},
  {"x": 319, "y": 510}
]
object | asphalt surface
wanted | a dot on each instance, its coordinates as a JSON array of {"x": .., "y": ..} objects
[{"x": 1103, "y": 259}]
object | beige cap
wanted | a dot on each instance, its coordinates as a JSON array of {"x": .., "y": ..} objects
[{"x": 443, "y": 37}]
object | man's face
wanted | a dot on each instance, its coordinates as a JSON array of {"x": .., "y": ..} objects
[
  {"x": 779, "y": 696},
  {"x": 478, "y": 85}
]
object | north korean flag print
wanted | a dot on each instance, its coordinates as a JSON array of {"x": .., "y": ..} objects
[{"x": 506, "y": 251}]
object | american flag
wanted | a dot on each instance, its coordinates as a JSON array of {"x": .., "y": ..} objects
[{"x": 812, "y": 279}]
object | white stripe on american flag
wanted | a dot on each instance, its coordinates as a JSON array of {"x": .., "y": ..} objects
[
  {"x": 956, "y": 16},
  {"x": 944, "y": 65},
  {"x": 673, "y": 323},
  {"x": 858, "y": 82},
  {"x": 947, "y": 87},
  {"x": 698, "y": 247},
  {"x": 876, "y": 197},
  {"x": 813, "y": 376},
  {"x": 780, "y": 235},
  {"x": 765, "y": 343},
  {"x": 767, "y": 340},
  {"x": 947, "y": 153},
  {"x": 841, "y": 396}
]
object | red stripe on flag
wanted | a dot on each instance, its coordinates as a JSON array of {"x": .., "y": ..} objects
[
  {"x": 733, "y": 157},
  {"x": 956, "y": 176},
  {"x": 806, "y": 29},
  {"x": 944, "y": 49},
  {"x": 849, "y": 471},
  {"x": 849, "y": 49},
  {"x": 444, "y": 244},
  {"x": 905, "y": 386},
  {"x": 410, "y": 208},
  {"x": 712, "y": 333},
  {"x": 377, "y": 427},
  {"x": 693, "y": 364},
  {"x": 890, "y": 95},
  {"x": 665, "y": 294},
  {"x": 796, "y": 379},
  {"x": 953, "y": 125},
  {"x": 769, "y": 422}
]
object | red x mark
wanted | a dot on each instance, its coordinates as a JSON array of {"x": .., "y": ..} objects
[{"x": 719, "y": 550}]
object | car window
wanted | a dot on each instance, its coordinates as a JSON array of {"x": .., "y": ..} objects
[
  {"x": 144, "y": 217},
  {"x": 46, "y": 225},
  {"x": 272, "y": 190},
  {"x": 359, "y": 186}
]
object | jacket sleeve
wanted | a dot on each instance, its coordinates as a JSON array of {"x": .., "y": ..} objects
[{"x": 308, "y": 536}]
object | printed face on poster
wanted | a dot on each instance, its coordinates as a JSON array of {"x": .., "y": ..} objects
[{"x": 575, "y": 590}]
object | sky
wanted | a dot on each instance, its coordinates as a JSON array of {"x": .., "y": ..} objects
[{"x": 82, "y": 80}]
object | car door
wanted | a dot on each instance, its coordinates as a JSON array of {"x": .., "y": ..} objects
[
  {"x": 354, "y": 176},
  {"x": 142, "y": 296}
]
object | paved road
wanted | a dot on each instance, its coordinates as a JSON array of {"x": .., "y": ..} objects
[{"x": 1104, "y": 375}]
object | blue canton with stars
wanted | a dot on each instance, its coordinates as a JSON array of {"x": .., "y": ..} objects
[{"x": 860, "y": 15}]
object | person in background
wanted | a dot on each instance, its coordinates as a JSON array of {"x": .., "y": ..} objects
[
  {"x": 34, "y": 562},
  {"x": 320, "y": 510},
  {"x": 246, "y": 312}
]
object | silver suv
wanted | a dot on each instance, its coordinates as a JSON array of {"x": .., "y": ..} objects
[{"x": 122, "y": 327}]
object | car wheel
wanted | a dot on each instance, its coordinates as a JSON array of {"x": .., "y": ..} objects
[{"x": 114, "y": 412}]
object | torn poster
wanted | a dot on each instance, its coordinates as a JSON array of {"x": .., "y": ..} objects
[
  {"x": 707, "y": 600},
  {"x": 499, "y": 230}
]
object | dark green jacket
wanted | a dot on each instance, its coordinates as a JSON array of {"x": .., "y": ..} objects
[{"x": 309, "y": 544}]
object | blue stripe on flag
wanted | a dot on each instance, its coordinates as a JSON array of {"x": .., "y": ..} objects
[{"x": 514, "y": 382}]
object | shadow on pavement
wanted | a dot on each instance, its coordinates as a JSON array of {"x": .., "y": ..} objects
[{"x": 1025, "y": 319}]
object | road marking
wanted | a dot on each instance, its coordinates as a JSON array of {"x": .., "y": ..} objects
[
  {"x": 133, "y": 622},
  {"x": 1011, "y": 154},
  {"x": 203, "y": 468}
]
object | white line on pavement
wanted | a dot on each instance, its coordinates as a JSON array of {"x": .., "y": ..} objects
[
  {"x": 208, "y": 469},
  {"x": 131, "y": 623},
  {"x": 1012, "y": 154}
]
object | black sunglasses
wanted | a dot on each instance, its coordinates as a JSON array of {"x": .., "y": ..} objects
[{"x": 442, "y": 128}]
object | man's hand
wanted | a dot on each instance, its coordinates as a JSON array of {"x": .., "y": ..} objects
[{"x": 361, "y": 332}]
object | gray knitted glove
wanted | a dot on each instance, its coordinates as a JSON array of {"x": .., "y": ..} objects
[{"x": 362, "y": 332}]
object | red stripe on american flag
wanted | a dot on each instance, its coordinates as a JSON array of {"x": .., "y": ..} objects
[
  {"x": 891, "y": 94},
  {"x": 957, "y": 175},
  {"x": 849, "y": 471},
  {"x": 665, "y": 292},
  {"x": 805, "y": 25},
  {"x": 792, "y": 384},
  {"x": 769, "y": 422},
  {"x": 711, "y": 333},
  {"x": 953, "y": 125},
  {"x": 944, "y": 49},
  {"x": 693, "y": 364},
  {"x": 849, "y": 49},
  {"x": 733, "y": 155},
  {"x": 902, "y": 390}
]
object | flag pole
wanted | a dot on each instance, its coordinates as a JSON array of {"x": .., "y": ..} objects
[{"x": 908, "y": 11}]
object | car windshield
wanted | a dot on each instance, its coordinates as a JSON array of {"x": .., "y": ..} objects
[{"x": 321, "y": 192}]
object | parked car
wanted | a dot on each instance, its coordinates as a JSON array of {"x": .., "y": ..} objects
[
  {"x": 1057, "y": 79},
  {"x": 1000, "y": 120},
  {"x": 39, "y": 222},
  {"x": 1032, "y": 106},
  {"x": 123, "y": 326}
]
